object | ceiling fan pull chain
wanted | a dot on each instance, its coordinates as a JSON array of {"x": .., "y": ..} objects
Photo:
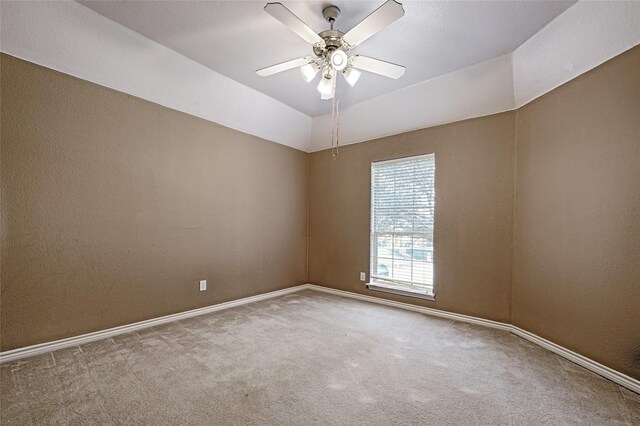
[{"x": 335, "y": 127}]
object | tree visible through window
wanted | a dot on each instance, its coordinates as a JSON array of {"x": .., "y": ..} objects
[{"x": 402, "y": 218}]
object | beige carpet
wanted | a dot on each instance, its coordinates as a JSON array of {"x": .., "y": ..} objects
[{"x": 309, "y": 358}]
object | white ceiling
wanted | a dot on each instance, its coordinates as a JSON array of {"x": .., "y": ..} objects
[{"x": 235, "y": 38}]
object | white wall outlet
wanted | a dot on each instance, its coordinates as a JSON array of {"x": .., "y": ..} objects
[
  {"x": 203, "y": 285},
  {"x": 363, "y": 276}
]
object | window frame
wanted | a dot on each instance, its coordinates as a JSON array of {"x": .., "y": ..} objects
[{"x": 378, "y": 283}]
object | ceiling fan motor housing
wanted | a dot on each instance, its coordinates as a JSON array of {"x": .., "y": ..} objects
[{"x": 332, "y": 40}]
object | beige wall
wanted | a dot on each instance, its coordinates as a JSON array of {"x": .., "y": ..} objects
[
  {"x": 114, "y": 207},
  {"x": 575, "y": 163},
  {"x": 473, "y": 215},
  {"x": 576, "y": 274}
]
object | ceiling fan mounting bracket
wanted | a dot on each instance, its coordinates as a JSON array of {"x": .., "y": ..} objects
[{"x": 331, "y": 13}]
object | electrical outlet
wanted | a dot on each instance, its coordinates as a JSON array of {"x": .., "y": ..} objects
[
  {"x": 203, "y": 285},
  {"x": 363, "y": 276}
]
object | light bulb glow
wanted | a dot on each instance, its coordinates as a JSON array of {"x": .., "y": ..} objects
[
  {"x": 338, "y": 59},
  {"x": 309, "y": 71},
  {"x": 327, "y": 96},
  {"x": 351, "y": 75},
  {"x": 325, "y": 87}
]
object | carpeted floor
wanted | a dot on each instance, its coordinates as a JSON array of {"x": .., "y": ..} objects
[{"x": 310, "y": 358}]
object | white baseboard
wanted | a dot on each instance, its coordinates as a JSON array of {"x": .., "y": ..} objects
[
  {"x": 415, "y": 308},
  {"x": 29, "y": 351},
  {"x": 591, "y": 365}
]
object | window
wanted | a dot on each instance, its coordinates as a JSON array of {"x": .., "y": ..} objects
[{"x": 402, "y": 211}]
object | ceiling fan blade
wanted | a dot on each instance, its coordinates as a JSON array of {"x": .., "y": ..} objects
[
  {"x": 273, "y": 69},
  {"x": 379, "y": 18},
  {"x": 377, "y": 66},
  {"x": 285, "y": 16}
]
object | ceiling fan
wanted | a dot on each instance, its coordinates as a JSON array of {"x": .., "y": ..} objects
[{"x": 330, "y": 47}]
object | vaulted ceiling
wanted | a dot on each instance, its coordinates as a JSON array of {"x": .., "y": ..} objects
[
  {"x": 463, "y": 59},
  {"x": 235, "y": 38}
]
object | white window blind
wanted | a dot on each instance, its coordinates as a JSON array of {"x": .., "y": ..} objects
[{"x": 402, "y": 212}]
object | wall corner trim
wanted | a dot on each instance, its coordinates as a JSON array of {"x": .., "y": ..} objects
[{"x": 591, "y": 365}]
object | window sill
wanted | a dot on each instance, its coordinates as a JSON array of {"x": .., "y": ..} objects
[{"x": 402, "y": 291}]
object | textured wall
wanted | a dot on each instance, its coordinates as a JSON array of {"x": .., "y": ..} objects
[
  {"x": 473, "y": 216},
  {"x": 114, "y": 207},
  {"x": 576, "y": 274}
]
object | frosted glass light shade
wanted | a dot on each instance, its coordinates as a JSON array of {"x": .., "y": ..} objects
[
  {"x": 309, "y": 71},
  {"x": 351, "y": 75},
  {"x": 329, "y": 95},
  {"x": 332, "y": 93},
  {"x": 325, "y": 87}
]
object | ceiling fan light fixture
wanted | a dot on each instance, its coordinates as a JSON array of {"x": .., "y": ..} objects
[
  {"x": 338, "y": 59},
  {"x": 328, "y": 96},
  {"x": 325, "y": 87},
  {"x": 351, "y": 75},
  {"x": 309, "y": 71},
  {"x": 330, "y": 48}
]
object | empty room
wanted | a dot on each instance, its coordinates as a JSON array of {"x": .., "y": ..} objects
[{"x": 320, "y": 212}]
